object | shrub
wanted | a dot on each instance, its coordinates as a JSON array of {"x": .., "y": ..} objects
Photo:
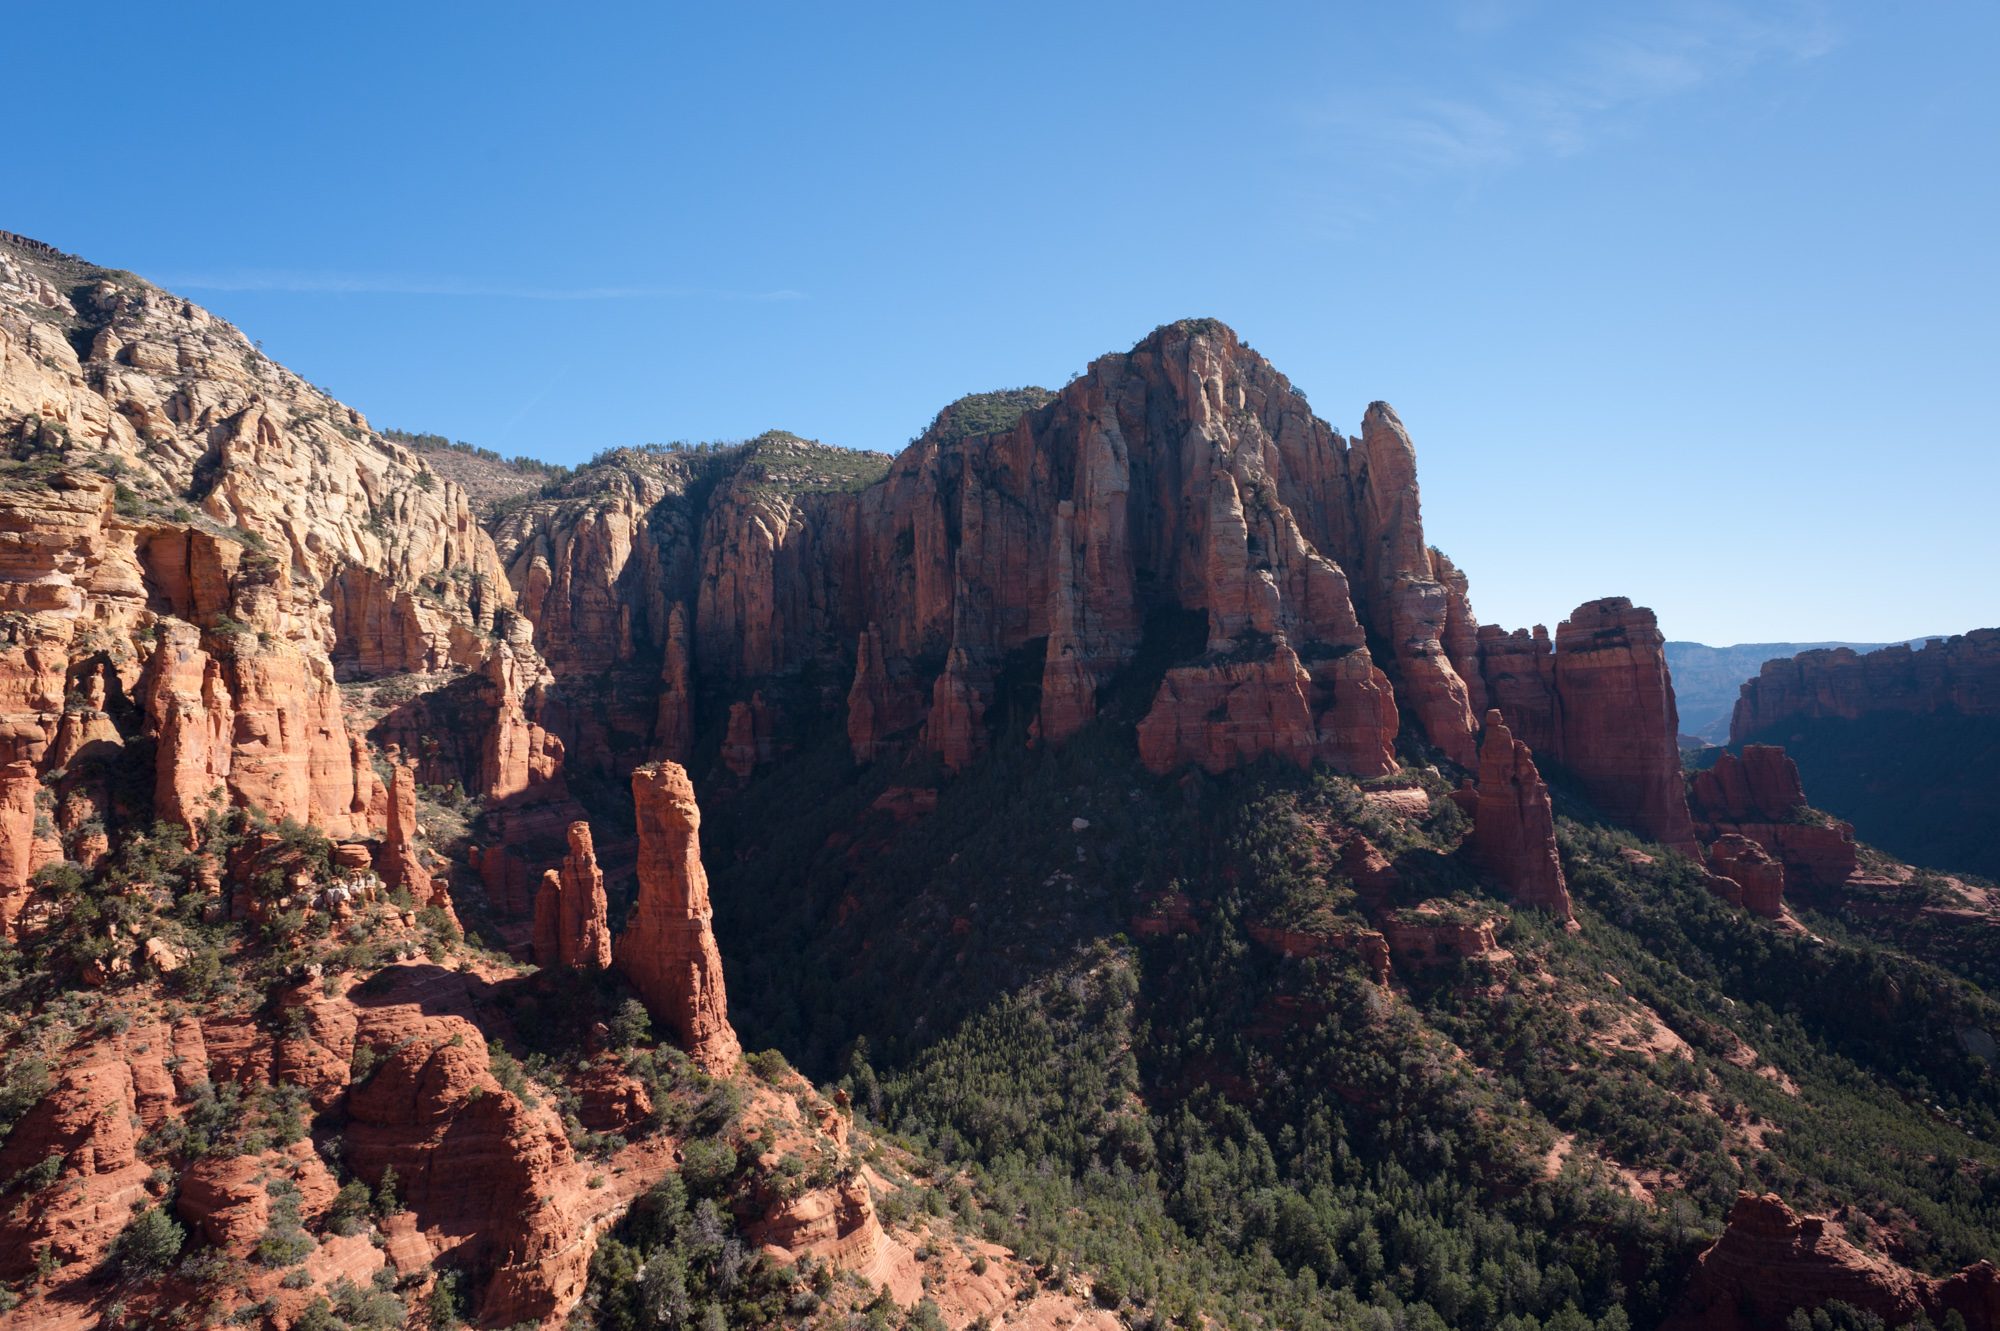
[
  {"x": 349, "y": 1209},
  {"x": 40, "y": 1174},
  {"x": 632, "y": 1025},
  {"x": 444, "y": 1309},
  {"x": 22, "y": 1087},
  {"x": 387, "y": 1203},
  {"x": 148, "y": 1244},
  {"x": 707, "y": 1166},
  {"x": 769, "y": 1064}
]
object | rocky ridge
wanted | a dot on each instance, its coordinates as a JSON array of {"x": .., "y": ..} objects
[
  {"x": 1958, "y": 675},
  {"x": 205, "y": 564}
]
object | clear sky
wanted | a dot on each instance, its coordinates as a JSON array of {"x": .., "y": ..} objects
[{"x": 1694, "y": 303}]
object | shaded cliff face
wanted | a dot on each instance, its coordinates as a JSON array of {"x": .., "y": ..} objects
[
  {"x": 1708, "y": 679},
  {"x": 1904, "y": 744},
  {"x": 1958, "y": 675},
  {"x": 1514, "y": 830},
  {"x": 1026, "y": 537},
  {"x": 1599, "y": 701},
  {"x": 1758, "y": 795},
  {"x": 657, "y": 573}
]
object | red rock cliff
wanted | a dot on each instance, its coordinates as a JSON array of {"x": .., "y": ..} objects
[
  {"x": 1949, "y": 675},
  {"x": 1602, "y": 703},
  {"x": 258, "y": 537},
  {"x": 1758, "y": 795},
  {"x": 1184, "y": 476}
]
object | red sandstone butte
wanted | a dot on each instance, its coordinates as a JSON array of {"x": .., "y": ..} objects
[
  {"x": 1761, "y": 878},
  {"x": 1758, "y": 795},
  {"x": 1954, "y": 675}
]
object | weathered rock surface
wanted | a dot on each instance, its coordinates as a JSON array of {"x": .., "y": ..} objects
[
  {"x": 668, "y": 948},
  {"x": 1409, "y": 604},
  {"x": 523, "y": 758},
  {"x": 402, "y": 863},
  {"x": 1770, "y": 1261},
  {"x": 90, "y": 1118},
  {"x": 1760, "y": 880},
  {"x": 1368, "y": 945},
  {"x": 1183, "y": 478},
  {"x": 750, "y": 738},
  {"x": 1602, "y": 705},
  {"x": 479, "y": 1170},
  {"x": 1959, "y": 675},
  {"x": 673, "y": 737},
  {"x": 1758, "y": 785},
  {"x": 572, "y": 916},
  {"x": 879, "y": 706},
  {"x": 1430, "y": 933},
  {"x": 191, "y": 538},
  {"x": 1185, "y": 475},
  {"x": 1513, "y": 827},
  {"x": 1758, "y": 795}
]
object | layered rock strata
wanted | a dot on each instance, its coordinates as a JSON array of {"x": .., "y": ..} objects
[
  {"x": 1958, "y": 675},
  {"x": 192, "y": 541},
  {"x": 1758, "y": 795},
  {"x": 1759, "y": 880}
]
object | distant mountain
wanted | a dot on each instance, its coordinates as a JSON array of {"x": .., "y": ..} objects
[{"x": 1707, "y": 679}]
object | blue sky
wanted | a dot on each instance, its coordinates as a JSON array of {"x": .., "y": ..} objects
[{"x": 1693, "y": 303}]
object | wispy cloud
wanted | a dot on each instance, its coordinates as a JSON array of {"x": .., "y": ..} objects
[
  {"x": 1592, "y": 82},
  {"x": 381, "y": 285}
]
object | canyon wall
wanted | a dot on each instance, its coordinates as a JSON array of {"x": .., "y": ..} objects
[
  {"x": 1902, "y": 744},
  {"x": 1958, "y": 675}
]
